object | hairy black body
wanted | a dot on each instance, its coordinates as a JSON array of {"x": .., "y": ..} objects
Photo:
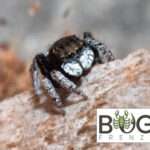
[{"x": 67, "y": 59}]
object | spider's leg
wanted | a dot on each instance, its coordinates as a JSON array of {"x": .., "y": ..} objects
[
  {"x": 51, "y": 91},
  {"x": 102, "y": 53},
  {"x": 34, "y": 72},
  {"x": 35, "y": 77},
  {"x": 43, "y": 63},
  {"x": 66, "y": 83}
]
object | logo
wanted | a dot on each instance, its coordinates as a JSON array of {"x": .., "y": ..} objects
[
  {"x": 123, "y": 125},
  {"x": 124, "y": 122}
]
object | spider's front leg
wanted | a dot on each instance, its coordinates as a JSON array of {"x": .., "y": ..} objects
[
  {"x": 40, "y": 62},
  {"x": 51, "y": 91},
  {"x": 66, "y": 83},
  {"x": 102, "y": 53},
  {"x": 35, "y": 77}
]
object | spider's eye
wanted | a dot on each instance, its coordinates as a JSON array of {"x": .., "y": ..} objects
[{"x": 69, "y": 53}]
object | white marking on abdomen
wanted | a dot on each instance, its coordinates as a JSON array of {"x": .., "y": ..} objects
[
  {"x": 86, "y": 59},
  {"x": 73, "y": 68}
]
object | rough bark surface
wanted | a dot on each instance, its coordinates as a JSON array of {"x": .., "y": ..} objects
[{"x": 28, "y": 123}]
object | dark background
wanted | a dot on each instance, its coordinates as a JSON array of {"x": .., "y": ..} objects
[{"x": 31, "y": 26}]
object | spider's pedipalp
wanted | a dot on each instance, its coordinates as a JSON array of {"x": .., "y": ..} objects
[
  {"x": 72, "y": 68},
  {"x": 65, "y": 82},
  {"x": 51, "y": 91},
  {"x": 87, "y": 57},
  {"x": 35, "y": 77}
]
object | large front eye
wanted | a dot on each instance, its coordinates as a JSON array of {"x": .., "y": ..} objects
[
  {"x": 73, "y": 68},
  {"x": 69, "y": 53}
]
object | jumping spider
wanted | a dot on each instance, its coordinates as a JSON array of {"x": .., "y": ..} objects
[{"x": 67, "y": 59}]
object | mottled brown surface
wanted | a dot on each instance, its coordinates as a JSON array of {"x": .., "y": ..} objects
[
  {"x": 14, "y": 76},
  {"x": 27, "y": 123}
]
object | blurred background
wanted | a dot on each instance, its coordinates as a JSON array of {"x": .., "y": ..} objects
[{"x": 31, "y": 26}]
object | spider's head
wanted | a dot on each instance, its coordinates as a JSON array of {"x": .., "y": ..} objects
[
  {"x": 75, "y": 63},
  {"x": 73, "y": 54},
  {"x": 66, "y": 46}
]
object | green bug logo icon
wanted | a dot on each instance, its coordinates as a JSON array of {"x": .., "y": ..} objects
[{"x": 125, "y": 123}]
